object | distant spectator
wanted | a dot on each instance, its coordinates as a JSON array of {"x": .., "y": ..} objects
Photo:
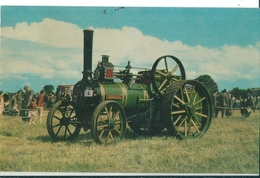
[
  {"x": 13, "y": 100},
  {"x": 223, "y": 102},
  {"x": 67, "y": 96},
  {"x": 40, "y": 105},
  {"x": 14, "y": 111},
  {"x": 215, "y": 104},
  {"x": 29, "y": 94},
  {"x": 1, "y": 103},
  {"x": 19, "y": 99},
  {"x": 32, "y": 114}
]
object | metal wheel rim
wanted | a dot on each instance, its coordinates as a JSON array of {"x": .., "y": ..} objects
[{"x": 191, "y": 110}]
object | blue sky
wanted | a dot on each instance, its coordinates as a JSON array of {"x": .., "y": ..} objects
[{"x": 42, "y": 45}]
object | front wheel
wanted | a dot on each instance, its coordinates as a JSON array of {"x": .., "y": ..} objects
[
  {"x": 108, "y": 123},
  {"x": 62, "y": 122}
]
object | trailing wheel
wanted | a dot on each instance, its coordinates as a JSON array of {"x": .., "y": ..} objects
[
  {"x": 165, "y": 71},
  {"x": 108, "y": 123},
  {"x": 62, "y": 122},
  {"x": 188, "y": 109}
]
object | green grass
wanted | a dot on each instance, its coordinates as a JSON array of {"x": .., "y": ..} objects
[{"x": 231, "y": 146}]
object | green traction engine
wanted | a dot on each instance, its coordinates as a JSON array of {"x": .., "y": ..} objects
[{"x": 108, "y": 101}]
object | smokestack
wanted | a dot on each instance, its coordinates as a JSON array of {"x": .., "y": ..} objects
[{"x": 88, "y": 46}]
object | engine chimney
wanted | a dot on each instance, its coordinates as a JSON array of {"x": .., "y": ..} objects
[{"x": 88, "y": 46}]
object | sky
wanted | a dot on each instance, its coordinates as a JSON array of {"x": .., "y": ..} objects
[{"x": 43, "y": 45}]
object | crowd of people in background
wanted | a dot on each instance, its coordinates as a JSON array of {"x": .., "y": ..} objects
[
  {"x": 225, "y": 103},
  {"x": 26, "y": 104}
]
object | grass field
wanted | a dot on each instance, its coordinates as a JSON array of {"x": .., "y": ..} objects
[{"x": 231, "y": 146}]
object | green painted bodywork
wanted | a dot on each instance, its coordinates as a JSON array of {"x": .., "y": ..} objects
[{"x": 127, "y": 96}]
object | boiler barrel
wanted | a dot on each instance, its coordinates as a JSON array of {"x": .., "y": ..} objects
[{"x": 127, "y": 96}]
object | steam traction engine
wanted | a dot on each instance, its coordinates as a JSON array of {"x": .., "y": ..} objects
[{"x": 148, "y": 102}]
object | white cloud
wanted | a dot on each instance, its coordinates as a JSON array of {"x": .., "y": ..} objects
[
  {"x": 48, "y": 32},
  {"x": 227, "y": 63}
]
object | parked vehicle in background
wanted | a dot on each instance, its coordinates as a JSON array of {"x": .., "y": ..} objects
[{"x": 64, "y": 91}]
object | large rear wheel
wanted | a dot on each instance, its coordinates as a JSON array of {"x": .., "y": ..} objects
[{"x": 188, "y": 109}]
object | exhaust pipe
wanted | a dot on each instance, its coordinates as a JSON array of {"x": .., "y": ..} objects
[{"x": 88, "y": 46}]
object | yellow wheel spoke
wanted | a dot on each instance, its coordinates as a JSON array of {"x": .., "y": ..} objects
[
  {"x": 197, "y": 120},
  {"x": 163, "y": 83},
  {"x": 185, "y": 128},
  {"x": 178, "y": 112},
  {"x": 102, "y": 126},
  {"x": 177, "y": 106},
  {"x": 166, "y": 65},
  {"x": 187, "y": 95},
  {"x": 110, "y": 136},
  {"x": 200, "y": 100},
  {"x": 107, "y": 112},
  {"x": 177, "y": 120},
  {"x": 117, "y": 130},
  {"x": 100, "y": 135},
  {"x": 203, "y": 115},
  {"x": 159, "y": 72},
  {"x": 115, "y": 116},
  {"x": 100, "y": 118},
  {"x": 179, "y": 99},
  {"x": 118, "y": 122},
  {"x": 174, "y": 69},
  {"x": 198, "y": 108},
  {"x": 110, "y": 113},
  {"x": 195, "y": 126},
  {"x": 182, "y": 121},
  {"x": 175, "y": 79}
]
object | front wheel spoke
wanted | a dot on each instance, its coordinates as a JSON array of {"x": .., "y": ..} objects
[
  {"x": 110, "y": 135},
  {"x": 115, "y": 116},
  {"x": 68, "y": 130},
  {"x": 185, "y": 128},
  {"x": 102, "y": 126},
  {"x": 107, "y": 113},
  {"x": 56, "y": 117},
  {"x": 56, "y": 125},
  {"x": 72, "y": 111},
  {"x": 101, "y": 119},
  {"x": 202, "y": 115},
  {"x": 65, "y": 132},
  {"x": 110, "y": 113},
  {"x": 117, "y": 130},
  {"x": 101, "y": 134},
  {"x": 58, "y": 130},
  {"x": 74, "y": 124}
]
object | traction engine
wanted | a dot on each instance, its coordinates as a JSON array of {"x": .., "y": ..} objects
[{"x": 106, "y": 101}]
